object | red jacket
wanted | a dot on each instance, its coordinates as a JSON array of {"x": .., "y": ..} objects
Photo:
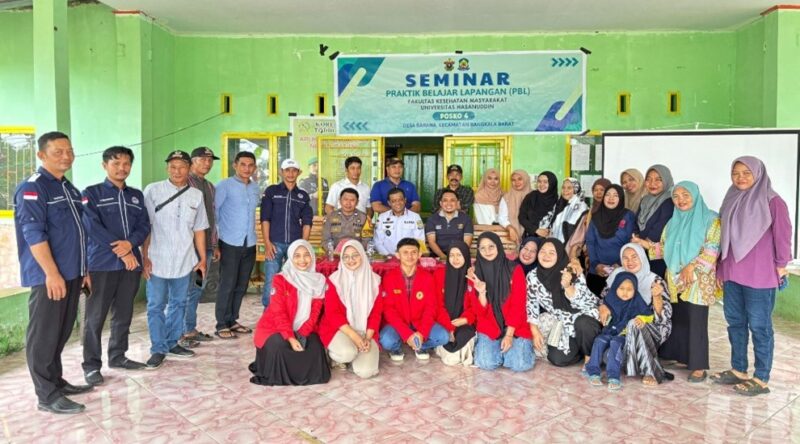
[
  {"x": 279, "y": 316},
  {"x": 401, "y": 311},
  {"x": 442, "y": 316},
  {"x": 335, "y": 316},
  {"x": 513, "y": 311}
]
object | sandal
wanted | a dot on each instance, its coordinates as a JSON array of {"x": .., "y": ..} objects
[
  {"x": 199, "y": 336},
  {"x": 239, "y": 328},
  {"x": 614, "y": 384},
  {"x": 596, "y": 380},
  {"x": 225, "y": 333},
  {"x": 697, "y": 379},
  {"x": 750, "y": 388},
  {"x": 728, "y": 377}
]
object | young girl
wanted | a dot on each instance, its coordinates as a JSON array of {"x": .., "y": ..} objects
[{"x": 626, "y": 304}]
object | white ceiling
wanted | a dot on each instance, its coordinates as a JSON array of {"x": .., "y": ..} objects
[{"x": 441, "y": 16}]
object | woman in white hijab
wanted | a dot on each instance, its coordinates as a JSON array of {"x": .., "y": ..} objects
[
  {"x": 288, "y": 349},
  {"x": 350, "y": 325}
]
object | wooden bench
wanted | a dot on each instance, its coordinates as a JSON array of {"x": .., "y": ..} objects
[{"x": 509, "y": 246}]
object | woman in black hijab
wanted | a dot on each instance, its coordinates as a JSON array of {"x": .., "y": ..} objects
[
  {"x": 455, "y": 314},
  {"x": 504, "y": 338},
  {"x": 528, "y": 250},
  {"x": 611, "y": 227},
  {"x": 537, "y": 207}
]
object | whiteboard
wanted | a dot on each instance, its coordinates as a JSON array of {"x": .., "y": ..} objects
[{"x": 705, "y": 157}]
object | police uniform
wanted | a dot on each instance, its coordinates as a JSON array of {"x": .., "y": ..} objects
[
  {"x": 48, "y": 209},
  {"x": 339, "y": 226},
  {"x": 390, "y": 229},
  {"x": 111, "y": 214}
]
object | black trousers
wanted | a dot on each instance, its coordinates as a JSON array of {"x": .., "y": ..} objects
[
  {"x": 114, "y": 290},
  {"x": 49, "y": 326},
  {"x": 586, "y": 329},
  {"x": 235, "y": 266}
]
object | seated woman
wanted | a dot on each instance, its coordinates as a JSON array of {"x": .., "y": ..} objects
[
  {"x": 641, "y": 344},
  {"x": 576, "y": 245},
  {"x": 632, "y": 182},
  {"x": 288, "y": 350},
  {"x": 528, "y": 252},
  {"x": 489, "y": 206},
  {"x": 690, "y": 247},
  {"x": 561, "y": 310},
  {"x": 655, "y": 211},
  {"x": 568, "y": 211},
  {"x": 536, "y": 210},
  {"x": 628, "y": 312},
  {"x": 352, "y": 316},
  {"x": 455, "y": 307},
  {"x": 610, "y": 228},
  {"x": 499, "y": 310},
  {"x": 520, "y": 188}
]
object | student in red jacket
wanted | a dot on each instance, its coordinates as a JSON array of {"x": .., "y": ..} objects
[
  {"x": 455, "y": 314},
  {"x": 410, "y": 306},
  {"x": 352, "y": 317},
  {"x": 288, "y": 349},
  {"x": 503, "y": 334}
]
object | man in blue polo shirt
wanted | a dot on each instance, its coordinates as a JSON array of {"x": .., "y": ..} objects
[
  {"x": 51, "y": 243},
  {"x": 285, "y": 217},
  {"x": 379, "y": 196},
  {"x": 117, "y": 224}
]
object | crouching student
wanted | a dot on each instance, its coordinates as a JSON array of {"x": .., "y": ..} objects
[
  {"x": 288, "y": 349},
  {"x": 457, "y": 295},
  {"x": 409, "y": 306},
  {"x": 504, "y": 338},
  {"x": 626, "y": 304},
  {"x": 352, "y": 316}
]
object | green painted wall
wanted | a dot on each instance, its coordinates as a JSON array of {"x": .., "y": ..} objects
[
  {"x": 749, "y": 94},
  {"x": 16, "y": 73}
]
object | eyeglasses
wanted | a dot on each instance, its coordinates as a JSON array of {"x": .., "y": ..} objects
[{"x": 350, "y": 257}]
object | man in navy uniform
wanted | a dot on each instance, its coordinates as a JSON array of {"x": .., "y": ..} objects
[
  {"x": 117, "y": 224},
  {"x": 51, "y": 243}
]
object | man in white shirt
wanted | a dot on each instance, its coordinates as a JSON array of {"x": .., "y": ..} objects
[
  {"x": 352, "y": 179},
  {"x": 397, "y": 223},
  {"x": 170, "y": 253}
]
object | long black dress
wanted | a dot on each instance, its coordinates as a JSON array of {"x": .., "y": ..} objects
[{"x": 278, "y": 364}]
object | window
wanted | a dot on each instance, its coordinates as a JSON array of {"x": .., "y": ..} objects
[{"x": 17, "y": 161}]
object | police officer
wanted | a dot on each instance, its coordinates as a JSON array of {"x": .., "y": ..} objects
[
  {"x": 448, "y": 225},
  {"x": 51, "y": 243},
  {"x": 397, "y": 223},
  {"x": 117, "y": 224},
  {"x": 346, "y": 222}
]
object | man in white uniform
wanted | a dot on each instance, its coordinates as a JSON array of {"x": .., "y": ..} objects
[{"x": 396, "y": 224}]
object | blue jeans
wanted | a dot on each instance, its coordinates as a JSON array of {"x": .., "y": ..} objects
[
  {"x": 193, "y": 296},
  {"x": 170, "y": 295},
  {"x": 749, "y": 310},
  {"x": 393, "y": 343},
  {"x": 271, "y": 268},
  {"x": 615, "y": 345},
  {"x": 518, "y": 358}
]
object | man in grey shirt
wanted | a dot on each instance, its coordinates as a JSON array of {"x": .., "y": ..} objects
[
  {"x": 170, "y": 255},
  {"x": 202, "y": 161}
]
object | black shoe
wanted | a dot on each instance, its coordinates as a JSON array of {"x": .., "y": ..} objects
[
  {"x": 69, "y": 389},
  {"x": 127, "y": 364},
  {"x": 155, "y": 361},
  {"x": 180, "y": 352},
  {"x": 93, "y": 377},
  {"x": 62, "y": 405}
]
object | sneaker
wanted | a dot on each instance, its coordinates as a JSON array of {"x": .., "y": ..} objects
[
  {"x": 188, "y": 342},
  {"x": 180, "y": 352},
  {"x": 422, "y": 355},
  {"x": 93, "y": 377},
  {"x": 397, "y": 356},
  {"x": 155, "y": 361},
  {"x": 127, "y": 364}
]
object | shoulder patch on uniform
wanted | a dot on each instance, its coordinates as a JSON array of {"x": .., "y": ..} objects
[
  {"x": 84, "y": 200},
  {"x": 420, "y": 224},
  {"x": 135, "y": 200},
  {"x": 34, "y": 177},
  {"x": 30, "y": 195}
]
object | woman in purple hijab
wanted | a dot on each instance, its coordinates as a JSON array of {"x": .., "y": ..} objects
[{"x": 756, "y": 247}]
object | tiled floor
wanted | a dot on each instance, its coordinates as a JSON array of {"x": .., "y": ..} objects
[{"x": 209, "y": 399}]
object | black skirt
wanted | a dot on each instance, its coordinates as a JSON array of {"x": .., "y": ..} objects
[
  {"x": 688, "y": 342},
  {"x": 278, "y": 364},
  {"x": 463, "y": 335}
]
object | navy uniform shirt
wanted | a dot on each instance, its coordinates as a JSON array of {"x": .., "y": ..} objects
[
  {"x": 49, "y": 209},
  {"x": 111, "y": 214},
  {"x": 448, "y": 231},
  {"x": 286, "y": 211}
]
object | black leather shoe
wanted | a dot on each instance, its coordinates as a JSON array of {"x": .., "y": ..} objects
[
  {"x": 127, "y": 364},
  {"x": 62, "y": 405},
  {"x": 70, "y": 389},
  {"x": 93, "y": 377}
]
